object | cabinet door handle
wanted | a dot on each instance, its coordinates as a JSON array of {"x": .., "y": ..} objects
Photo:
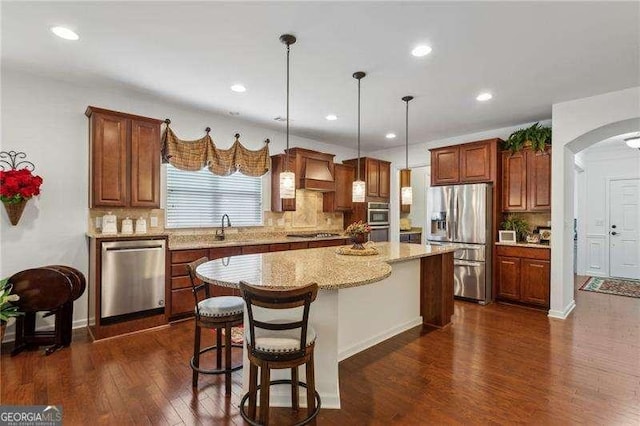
[{"x": 536, "y": 266}]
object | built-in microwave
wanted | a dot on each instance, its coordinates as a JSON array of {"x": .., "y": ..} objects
[{"x": 378, "y": 214}]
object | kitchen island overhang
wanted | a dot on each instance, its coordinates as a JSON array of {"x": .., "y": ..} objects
[{"x": 363, "y": 301}]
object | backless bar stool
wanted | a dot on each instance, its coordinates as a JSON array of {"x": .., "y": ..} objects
[
  {"x": 222, "y": 312},
  {"x": 278, "y": 344}
]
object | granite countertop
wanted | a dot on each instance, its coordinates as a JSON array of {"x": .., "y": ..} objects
[
  {"x": 212, "y": 243},
  {"x": 125, "y": 236},
  {"x": 531, "y": 245},
  {"x": 323, "y": 266},
  {"x": 413, "y": 230}
]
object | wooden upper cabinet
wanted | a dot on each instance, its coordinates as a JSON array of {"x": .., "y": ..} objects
[
  {"x": 514, "y": 181},
  {"x": 445, "y": 165},
  {"x": 108, "y": 179},
  {"x": 145, "y": 164},
  {"x": 341, "y": 199},
  {"x": 476, "y": 162},
  {"x": 377, "y": 176},
  {"x": 372, "y": 167},
  {"x": 125, "y": 159},
  {"x": 539, "y": 180},
  {"x": 526, "y": 181},
  {"x": 384, "y": 179},
  {"x": 471, "y": 162}
]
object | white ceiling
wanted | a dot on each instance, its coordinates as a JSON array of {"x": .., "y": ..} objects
[{"x": 529, "y": 55}]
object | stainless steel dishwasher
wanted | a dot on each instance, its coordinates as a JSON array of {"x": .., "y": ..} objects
[{"x": 133, "y": 279}]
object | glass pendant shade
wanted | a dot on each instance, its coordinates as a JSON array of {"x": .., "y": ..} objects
[
  {"x": 406, "y": 194},
  {"x": 287, "y": 185},
  {"x": 358, "y": 191}
]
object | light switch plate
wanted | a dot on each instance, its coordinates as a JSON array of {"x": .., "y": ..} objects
[{"x": 98, "y": 222}]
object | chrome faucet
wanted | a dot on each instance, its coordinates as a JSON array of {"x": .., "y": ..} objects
[{"x": 220, "y": 232}]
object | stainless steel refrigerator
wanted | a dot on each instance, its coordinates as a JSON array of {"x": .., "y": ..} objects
[{"x": 461, "y": 214}]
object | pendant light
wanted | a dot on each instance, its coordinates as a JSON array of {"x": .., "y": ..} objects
[
  {"x": 358, "y": 184},
  {"x": 287, "y": 177},
  {"x": 406, "y": 193}
]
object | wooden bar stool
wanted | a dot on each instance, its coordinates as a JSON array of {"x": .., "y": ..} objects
[
  {"x": 277, "y": 344},
  {"x": 217, "y": 313}
]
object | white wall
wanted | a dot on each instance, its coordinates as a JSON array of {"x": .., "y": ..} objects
[
  {"x": 577, "y": 125},
  {"x": 45, "y": 118},
  {"x": 602, "y": 163}
]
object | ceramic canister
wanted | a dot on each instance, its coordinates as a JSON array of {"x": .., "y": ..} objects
[
  {"x": 141, "y": 226},
  {"x": 109, "y": 223},
  {"x": 127, "y": 226}
]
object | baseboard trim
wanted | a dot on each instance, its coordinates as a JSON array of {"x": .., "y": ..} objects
[
  {"x": 378, "y": 338},
  {"x": 284, "y": 399},
  {"x": 564, "y": 313},
  {"x": 11, "y": 331}
]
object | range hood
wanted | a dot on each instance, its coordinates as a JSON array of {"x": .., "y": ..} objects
[{"x": 314, "y": 170}]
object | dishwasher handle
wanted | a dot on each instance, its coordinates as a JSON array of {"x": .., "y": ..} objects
[
  {"x": 130, "y": 249},
  {"x": 467, "y": 263}
]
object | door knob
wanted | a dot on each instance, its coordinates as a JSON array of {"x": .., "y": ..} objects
[
  {"x": 613, "y": 226},
  {"x": 614, "y": 233}
]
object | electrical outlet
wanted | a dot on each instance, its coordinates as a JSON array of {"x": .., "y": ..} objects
[
  {"x": 281, "y": 222},
  {"x": 153, "y": 221},
  {"x": 328, "y": 221},
  {"x": 99, "y": 222},
  {"x": 270, "y": 221}
]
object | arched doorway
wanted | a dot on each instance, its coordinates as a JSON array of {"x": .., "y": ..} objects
[{"x": 562, "y": 273}]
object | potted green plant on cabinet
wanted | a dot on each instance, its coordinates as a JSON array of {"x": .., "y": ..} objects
[
  {"x": 537, "y": 137},
  {"x": 518, "y": 224}
]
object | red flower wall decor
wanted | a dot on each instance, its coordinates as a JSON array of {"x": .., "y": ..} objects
[{"x": 17, "y": 185}]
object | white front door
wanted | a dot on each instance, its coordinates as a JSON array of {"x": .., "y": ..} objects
[{"x": 624, "y": 228}]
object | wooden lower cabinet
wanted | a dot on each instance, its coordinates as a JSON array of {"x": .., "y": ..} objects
[
  {"x": 523, "y": 275},
  {"x": 509, "y": 278},
  {"x": 327, "y": 243},
  {"x": 534, "y": 286},
  {"x": 182, "y": 303}
]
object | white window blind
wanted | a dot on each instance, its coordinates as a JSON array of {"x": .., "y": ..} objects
[{"x": 199, "y": 199}]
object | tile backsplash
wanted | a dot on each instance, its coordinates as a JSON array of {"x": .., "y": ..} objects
[{"x": 307, "y": 217}]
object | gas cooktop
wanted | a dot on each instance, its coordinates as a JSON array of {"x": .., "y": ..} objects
[{"x": 316, "y": 235}]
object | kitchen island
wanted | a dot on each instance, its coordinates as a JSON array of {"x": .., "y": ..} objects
[{"x": 363, "y": 300}]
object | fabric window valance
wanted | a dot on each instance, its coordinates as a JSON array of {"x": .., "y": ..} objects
[{"x": 196, "y": 154}]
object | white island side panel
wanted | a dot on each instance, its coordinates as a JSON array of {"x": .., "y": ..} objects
[{"x": 370, "y": 314}]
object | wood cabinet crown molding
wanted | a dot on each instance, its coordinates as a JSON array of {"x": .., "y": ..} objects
[{"x": 92, "y": 109}]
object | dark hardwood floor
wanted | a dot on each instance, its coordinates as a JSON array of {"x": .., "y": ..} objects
[{"x": 497, "y": 364}]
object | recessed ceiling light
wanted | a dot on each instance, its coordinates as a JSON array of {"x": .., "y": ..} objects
[
  {"x": 65, "y": 33},
  {"x": 633, "y": 142},
  {"x": 238, "y": 88},
  {"x": 390, "y": 135},
  {"x": 421, "y": 50},
  {"x": 484, "y": 96},
  {"x": 331, "y": 117}
]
